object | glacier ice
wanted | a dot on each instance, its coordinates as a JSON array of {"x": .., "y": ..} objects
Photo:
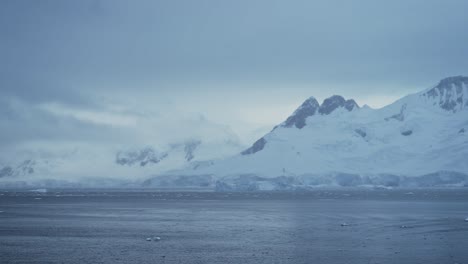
[{"x": 251, "y": 182}]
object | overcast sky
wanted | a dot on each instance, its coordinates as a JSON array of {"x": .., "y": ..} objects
[{"x": 161, "y": 70}]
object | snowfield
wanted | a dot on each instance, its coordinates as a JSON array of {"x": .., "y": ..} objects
[{"x": 420, "y": 140}]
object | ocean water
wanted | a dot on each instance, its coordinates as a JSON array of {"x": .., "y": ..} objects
[{"x": 320, "y": 226}]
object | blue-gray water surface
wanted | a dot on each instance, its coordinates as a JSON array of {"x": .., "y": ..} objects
[{"x": 320, "y": 226}]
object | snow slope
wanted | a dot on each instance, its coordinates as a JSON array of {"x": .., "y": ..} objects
[
  {"x": 419, "y": 140},
  {"x": 88, "y": 165}
]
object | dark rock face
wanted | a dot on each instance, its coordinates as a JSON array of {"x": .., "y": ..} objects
[
  {"x": 361, "y": 132},
  {"x": 450, "y": 93},
  {"x": 350, "y": 105},
  {"x": 190, "y": 147},
  {"x": 256, "y": 147},
  {"x": 310, "y": 107},
  {"x": 332, "y": 103},
  {"x": 142, "y": 157},
  {"x": 298, "y": 118},
  {"x": 407, "y": 132}
]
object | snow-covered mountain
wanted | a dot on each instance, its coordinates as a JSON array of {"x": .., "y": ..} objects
[
  {"x": 419, "y": 140},
  {"x": 175, "y": 155},
  {"x": 101, "y": 166}
]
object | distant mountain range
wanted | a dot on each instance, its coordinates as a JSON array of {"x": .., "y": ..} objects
[{"x": 420, "y": 140}]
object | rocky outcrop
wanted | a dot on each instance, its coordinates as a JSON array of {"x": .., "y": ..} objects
[
  {"x": 361, "y": 132},
  {"x": 298, "y": 118},
  {"x": 310, "y": 107},
  {"x": 332, "y": 103},
  {"x": 189, "y": 149},
  {"x": 451, "y": 94},
  {"x": 142, "y": 157},
  {"x": 407, "y": 132},
  {"x": 256, "y": 147}
]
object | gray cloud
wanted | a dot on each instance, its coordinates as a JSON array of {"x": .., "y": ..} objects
[
  {"x": 113, "y": 44},
  {"x": 22, "y": 122},
  {"x": 191, "y": 55}
]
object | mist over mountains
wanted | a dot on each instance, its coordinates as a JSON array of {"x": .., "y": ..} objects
[{"x": 418, "y": 141}]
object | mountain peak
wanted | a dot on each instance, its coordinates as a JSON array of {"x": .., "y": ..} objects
[
  {"x": 450, "y": 94},
  {"x": 457, "y": 81},
  {"x": 332, "y": 103},
  {"x": 311, "y": 106},
  {"x": 308, "y": 108}
]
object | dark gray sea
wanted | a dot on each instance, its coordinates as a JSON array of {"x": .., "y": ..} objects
[{"x": 321, "y": 226}]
